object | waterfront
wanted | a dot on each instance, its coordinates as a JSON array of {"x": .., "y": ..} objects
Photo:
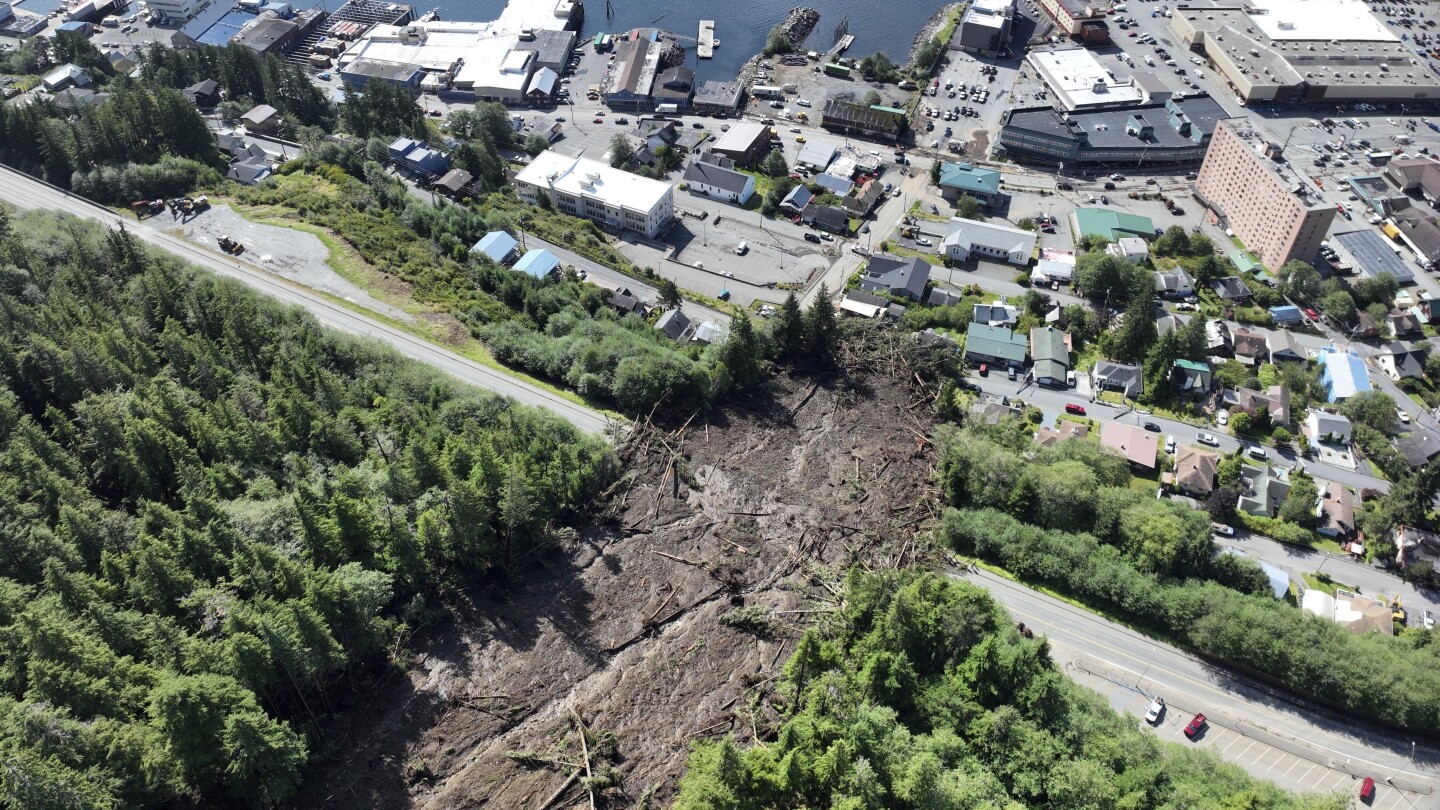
[{"x": 740, "y": 25}]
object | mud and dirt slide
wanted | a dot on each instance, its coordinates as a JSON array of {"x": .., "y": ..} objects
[
  {"x": 663, "y": 624},
  {"x": 292, "y": 254}
]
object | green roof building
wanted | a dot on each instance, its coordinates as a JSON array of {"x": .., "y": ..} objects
[
  {"x": 996, "y": 345},
  {"x": 965, "y": 178},
  {"x": 1051, "y": 355},
  {"x": 1244, "y": 262},
  {"x": 1110, "y": 224},
  {"x": 1194, "y": 377}
]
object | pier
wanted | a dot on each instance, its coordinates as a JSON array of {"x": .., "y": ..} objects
[
  {"x": 705, "y": 47},
  {"x": 840, "y": 47}
]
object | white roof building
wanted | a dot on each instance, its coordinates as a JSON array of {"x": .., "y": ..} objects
[
  {"x": 1079, "y": 81},
  {"x": 591, "y": 189},
  {"x": 481, "y": 58},
  {"x": 971, "y": 238}
]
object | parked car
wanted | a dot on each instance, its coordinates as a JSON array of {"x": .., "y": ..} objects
[
  {"x": 1196, "y": 724},
  {"x": 1078, "y": 410},
  {"x": 1157, "y": 707},
  {"x": 1367, "y": 790},
  {"x": 1222, "y": 530},
  {"x": 1258, "y": 453},
  {"x": 1170, "y": 444},
  {"x": 920, "y": 240},
  {"x": 1402, "y": 416},
  {"x": 1222, "y": 418},
  {"x": 810, "y": 237},
  {"x": 1206, "y": 438},
  {"x": 1152, "y": 427}
]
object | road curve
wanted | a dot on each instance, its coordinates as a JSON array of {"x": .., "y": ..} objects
[
  {"x": 1073, "y": 632},
  {"x": 23, "y": 191}
]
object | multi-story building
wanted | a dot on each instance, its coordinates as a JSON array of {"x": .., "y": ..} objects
[
  {"x": 588, "y": 188},
  {"x": 1175, "y": 132},
  {"x": 1267, "y": 205},
  {"x": 1079, "y": 18},
  {"x": 985, "y": 28}
]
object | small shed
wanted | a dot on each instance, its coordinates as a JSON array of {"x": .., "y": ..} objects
[{"x": 538, "y": 263}]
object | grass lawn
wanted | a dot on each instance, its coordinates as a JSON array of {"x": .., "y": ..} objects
[{"x": 1323, "y": 582}]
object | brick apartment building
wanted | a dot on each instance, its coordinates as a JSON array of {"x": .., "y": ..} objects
[{"x": 1266, "y": 204}]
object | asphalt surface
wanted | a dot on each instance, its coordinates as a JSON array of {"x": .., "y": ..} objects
[
  {"x": 28, "y": 193},
  {"x": 1230, "y": 701}
]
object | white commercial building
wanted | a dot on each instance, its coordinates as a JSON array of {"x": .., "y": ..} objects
[
  {"x": 1079, "y": 81},
  {"x": 968, "y": 237},
  {"x": 178, "y": 10},
  {"x": 588, "y": 188},
  {"x": 467, "y": 57}
]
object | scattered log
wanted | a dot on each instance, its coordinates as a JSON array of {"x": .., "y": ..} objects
[
  {"x": 677, "y": 559},
  {"x": 662, "y": 607},
  {"x": 585, "y": 749},
  {"x": 555, "y": 797}
]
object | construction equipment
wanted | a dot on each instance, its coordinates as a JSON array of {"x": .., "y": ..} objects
[
  {"x": 147, "y": 208},
  {"x": 1397, "y": 610},
  {"x": 231, "y": 246}
]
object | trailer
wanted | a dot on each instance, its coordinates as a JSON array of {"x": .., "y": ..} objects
[{"x": 766, "y": 91}]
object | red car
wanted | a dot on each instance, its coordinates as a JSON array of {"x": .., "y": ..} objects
[
  {"x": 1078, "y": 410},
  {"x": 1312, "y": 314},
  {"x": 1196, "y": 723},
  {"x": 1367, "y": 789},
  {"x": 599, "y": 121}
]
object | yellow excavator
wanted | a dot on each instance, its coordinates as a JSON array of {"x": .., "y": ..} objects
[{"x": 1397, "y": 610}]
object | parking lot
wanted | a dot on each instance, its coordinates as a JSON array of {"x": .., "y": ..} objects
[{"x": 1222, "y": 736}]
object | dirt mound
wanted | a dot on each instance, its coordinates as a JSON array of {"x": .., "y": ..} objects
[{"x": 748, "y": 514}]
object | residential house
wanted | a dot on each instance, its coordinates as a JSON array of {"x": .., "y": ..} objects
[
  {"x": 941, "y": 298},
  {"x": 796, "y": 200},
  {"x": 1403, "y": 323},
  {"x": 709, "y": 332},
  {"x": 1358, "y": 614},
  {"x": 262, "y": 119},
  {"x": 963, "y": 178},
  {"x": 203, "y": 94},
  {"x": 833, "y": 183},
  {"x": 1284, "y": 348},
  {"x": 1230, "y": 289},
  {"x": 1265, "y": 488},
  {"x": 675, "y": 325},
  {"x": 1251, "y": 348},
  {"x": 1064, "y": 429},
  {"x": 1218, "y": 342},
  {"x": 1288, "y": 315},
  {"x": 75, "y": 99},
  {"x": 901, "y": 277},
  {"x": 1400, "y": 362},
  {"x": 1133, "y": 249},
  {"x": 1134, "y": 443},
  {"x": 65, "y": 76},
  {"x": 1419, "y": 447},
  {"x": 1274, "y": 402},
  {"x": 1195, "y": 471},
  {"x": 124, "y": 64},
  {"x": 1416, "y": 545},
  {"x": 653, "y": 133},
  {"x": 969, "y": 238},
  {"x": 538, "y": 263},
  {"x": 1365, "y": 326},
  {"x": 454, "y": 183},
  {"x": 996, "y": 346},
  {"x": 998, "y": 313},
  {"x": 865, "y": 305},
  {"x": 1328, "y": 427},
  {"x": 250, "y": 166},
  {"x": 1343, "y": 374},
  {"x": 715, "y": 176},
  {"x": 862, "y": 199},
  {"x": 1051, "y": 356},
  {"x": 1336, "y": 510},
  {"x": 815, "y": 154},
  {"x": 1128, "y": 379},
  {"x": 1194, "y": 377},
  {"x": 497, "y": 246},
  {"x": 625, "y": 302},
  {"x": 826, "y": 217},
  {"x": 1174, "y": 283}
]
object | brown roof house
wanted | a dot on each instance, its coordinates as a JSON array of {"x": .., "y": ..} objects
[
  {"x": 1358, "y": 614},
  {"x": 1336, "y": 511},
  {"x": 1275, "y": 401},
  {"x": 1195, "y": 471},
  {"x": 1065, "y": 429},
  {"x": 1250, "y": 348},
  {"x": 1136, "y": 444},
  {"x": 262, "y": 119}
]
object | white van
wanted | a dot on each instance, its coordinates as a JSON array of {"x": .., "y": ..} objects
[
  {"x": 741, "y": 248},
  {"x": 1258, "y": 453},
  {"x": 1149, "y": 60}
]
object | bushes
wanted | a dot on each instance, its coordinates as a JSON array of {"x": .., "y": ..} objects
[{"x": 171, "y": 177}]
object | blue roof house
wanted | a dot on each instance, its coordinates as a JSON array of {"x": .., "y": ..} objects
[
  {"x": 428, "y": 161},
  {"x": 498, "y": 246},
  {"x": 402, "y": 147},
  {"x": 538, "y": 263},
  {"x": 1287, "y": 315},
  {"x": 1342, "y": 373}
]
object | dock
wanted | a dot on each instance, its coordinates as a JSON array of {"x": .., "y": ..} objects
[
  {"x": 705, "y": 45},
  {"x": 840, "y": 47}
]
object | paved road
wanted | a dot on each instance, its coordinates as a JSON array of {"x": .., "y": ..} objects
[
  {"x": 26, "y": 192},
  {"x": 1230, "y": 700}
]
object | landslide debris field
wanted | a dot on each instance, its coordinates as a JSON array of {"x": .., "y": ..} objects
[{"x": 751, "y": 513}]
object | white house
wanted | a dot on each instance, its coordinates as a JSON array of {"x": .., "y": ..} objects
[
  {"x": 715, "y": 176},
  {"x": 588, "y": 188},
  {"x": 1173, "y": 283},
  {"x": 1328, "y": 427},
  {"x": 968, "y": 238},
  {"x": 1129, "y": 248}
]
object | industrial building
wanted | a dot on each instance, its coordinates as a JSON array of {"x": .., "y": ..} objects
[
  {"x": 177, "y": 10},
  {"x": 1175, "y": 132},
  {"x": 637, "y": 62},
  {"x": 19, "y": 25},
  {"x": 1080, "y": 82},
  {"x": 589, "y": 188},
  {"x": 717, "y": 98},
  {"x": 279, "y": 32},
  {"x": 985, "y": 28},
  {"x": 1305, "y": 51},
  {"x": 1264, "y": 202},
  {"x": 875, "y": 120},
  {"x": 1084, "y": 19}
]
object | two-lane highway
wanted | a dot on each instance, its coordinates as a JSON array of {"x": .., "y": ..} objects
[{"x": 23, "y": 191}]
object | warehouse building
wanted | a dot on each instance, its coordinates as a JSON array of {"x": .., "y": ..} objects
[
  {"x": 876, "y": 120},
  {"x": 1175, "y": 132},
  {"x": 1265, "y": 202},
  {"x": 1305, "y": 51}
]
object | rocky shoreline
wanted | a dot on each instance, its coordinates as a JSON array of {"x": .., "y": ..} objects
[
  {"x": 798, "y": 24},
  {"x": 930, "y": 29}
]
